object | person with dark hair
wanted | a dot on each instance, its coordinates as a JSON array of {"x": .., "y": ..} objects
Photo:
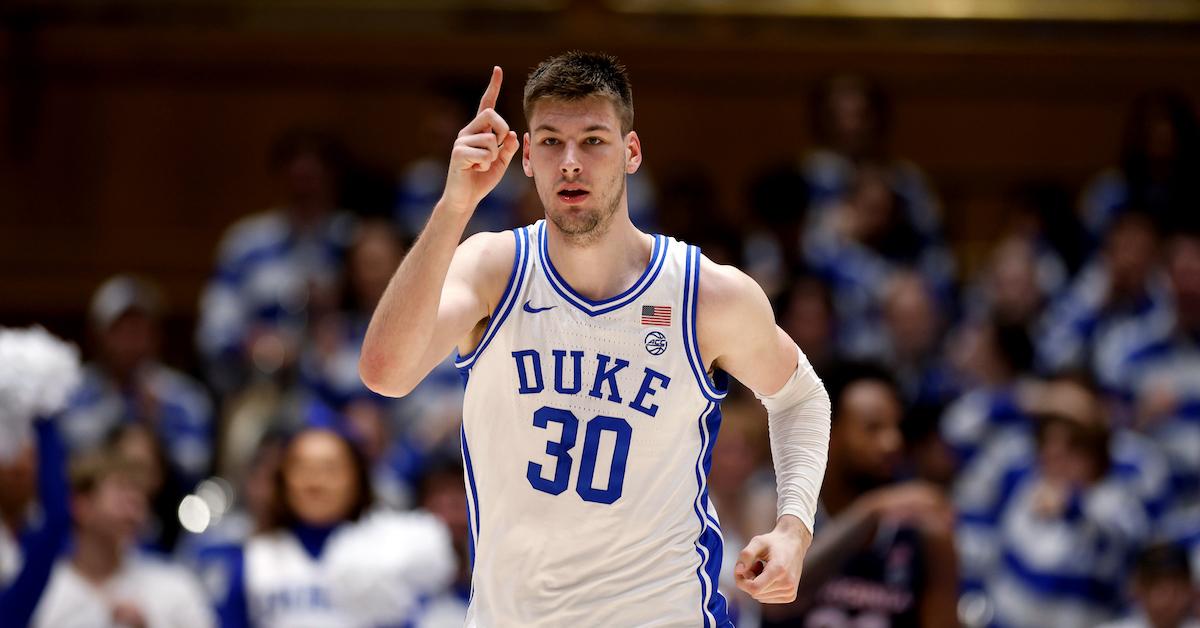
[
  {"x": 275, "y": 267},
  {"x": 1160, "y": 155},
  {"x": 1164, "y": 590},
  {"x": 851, "y": 124},
  {"x": 1124, "y": 285},
  {"x": 594, "y": 357},
  {"x": 1157, "y": 377},
  {"x": 141, "y": 448},
  {"x": 105, "y": 581},
  {"x": 884, "y": 553},
  {"x": 322, "y": 556},
  {"x": 860, "y": 246}
]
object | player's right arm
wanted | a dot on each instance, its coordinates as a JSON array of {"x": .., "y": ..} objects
[{"x": 443, "y": 291}]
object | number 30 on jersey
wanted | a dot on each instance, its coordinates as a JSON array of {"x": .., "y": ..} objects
[{"x": 561, "y": 450}]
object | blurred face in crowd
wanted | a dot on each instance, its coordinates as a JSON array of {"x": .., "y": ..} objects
[
  {"x": 308, "y": 179},
  {"x": 1071, "y": 445},
  {"x": 872, "y": 206},
  {"x": 373, "y": 259},
  {"x": 1167, "y": 601},
  {"x": 139, "y": 446},
  {"x": 1016, "y": 295},
  {"x": 911, "y": 317},
  {"x": 129, "y": 341},
  {"x": 446, "y": 498},
  {"x": 319, "y": 478},
  {"x": 1131, "y": 253},
  {"x": 1184, "y": 271},
  {"x": 809, "y": 320},
  {"x": 865, "y": 438},
  {"x": 854, "y": 124},
  {"x": 114, "y": 510},
  {"x": 578, "y": 159}
]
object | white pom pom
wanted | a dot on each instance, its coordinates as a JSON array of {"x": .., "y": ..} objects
[{"x": 38, "y": 372}]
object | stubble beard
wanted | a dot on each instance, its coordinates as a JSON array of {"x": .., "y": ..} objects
[{"x": 588, "y": 226}]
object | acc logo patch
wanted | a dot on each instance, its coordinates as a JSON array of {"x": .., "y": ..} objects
[{"x": 656, "y": 343}]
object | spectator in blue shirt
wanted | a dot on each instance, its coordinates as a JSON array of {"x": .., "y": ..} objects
[
  {"x": 275, "y": 267},
  {"x": 126, "y": 382}
]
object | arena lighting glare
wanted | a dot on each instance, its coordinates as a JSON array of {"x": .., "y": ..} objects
[{"x": 194, "y": 514}]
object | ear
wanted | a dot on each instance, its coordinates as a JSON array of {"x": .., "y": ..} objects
[
  {"x": 525, "y": 157},
  {"x": 633, "y": 152}
]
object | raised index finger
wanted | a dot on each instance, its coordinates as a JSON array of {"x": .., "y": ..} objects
[{"x": 493, "y": 90}]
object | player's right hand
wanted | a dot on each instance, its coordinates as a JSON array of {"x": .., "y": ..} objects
[{"x": 481, "y": 153}]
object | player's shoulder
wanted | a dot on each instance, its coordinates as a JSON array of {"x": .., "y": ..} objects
[
  {"x": 726, "y": 292},
  {"x": 488, "y": 258}
]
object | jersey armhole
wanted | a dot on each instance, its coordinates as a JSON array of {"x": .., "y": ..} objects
[
  {"x": 716, "y": 387},
  {"x": 516, "y": 280}
]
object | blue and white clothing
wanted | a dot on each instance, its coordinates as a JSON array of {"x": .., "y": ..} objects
[
  {"x": 830, "y": 174},
  {"x": 857, "y": 276},
  {"x": 175, "y": 406},
  {"x": 978, "y": 417},
  {"x": 1081, "y": 320},
  {"x": 588, "y": 429},
  {"x": 1168, "y": 361},
  {"x": 265, "y": 272},
  {"x": 1062, "y": 571},
  {"x": 374, "y": 572}
]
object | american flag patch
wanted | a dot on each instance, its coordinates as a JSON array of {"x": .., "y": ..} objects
[{"x": 656, "y": 315}]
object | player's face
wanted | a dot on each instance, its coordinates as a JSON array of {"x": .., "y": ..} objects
[
  {"x": 319, "y": 478},
  {"x": 578, "y": 159},
  {"x": 866, "y": 434}
]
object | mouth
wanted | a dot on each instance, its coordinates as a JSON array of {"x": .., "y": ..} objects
[{"x": 572, "y": 195}]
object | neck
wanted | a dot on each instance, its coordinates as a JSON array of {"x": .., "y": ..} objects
[
  {"x": 602, "y": 266},
  {"x": 95, "y": 558}
]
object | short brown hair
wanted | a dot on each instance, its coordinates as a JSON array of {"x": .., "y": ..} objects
[
  {"x": 89, "y": 470},
  {"x": 577, "y": 75}
]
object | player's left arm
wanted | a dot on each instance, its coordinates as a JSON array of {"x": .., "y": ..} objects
[{"x": 737, "y": 331}]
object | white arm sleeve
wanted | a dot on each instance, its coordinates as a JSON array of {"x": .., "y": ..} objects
[{"x": 798, "y": 422}]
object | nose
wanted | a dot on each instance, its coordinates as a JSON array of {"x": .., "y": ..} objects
[{"x": 570, "y": 165}]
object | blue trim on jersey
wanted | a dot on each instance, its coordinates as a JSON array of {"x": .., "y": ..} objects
[
  {"x": 472, "y": 495},
  {"x": 595, "y": 308},
  {"x": 709, "y": 544},
  {"x": 713, "y": 391},
  {"x": 512, "y": 291}
]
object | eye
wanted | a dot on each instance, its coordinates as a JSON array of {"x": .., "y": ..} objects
[
  {"x": 550, "y": 141},
  {"x": 594, "y": 141}
]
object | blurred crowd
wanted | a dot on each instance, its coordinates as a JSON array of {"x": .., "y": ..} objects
[{"x": 1014, "y": 446}]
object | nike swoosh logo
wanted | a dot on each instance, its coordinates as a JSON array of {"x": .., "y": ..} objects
[{"x": 535, "y": 310}]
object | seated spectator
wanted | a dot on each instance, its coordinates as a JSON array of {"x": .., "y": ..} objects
[
  {"x": 1164, "y": 591},
  {"x": 913, "y": 329},
  {"x": 858, "y": 248},
  {"x": 1047, "y": 541},
  {"x": 1124, "y": 283},
  {"x": 127, "y": 383},
  {"x": 805, "y": 312},
  {"x": 1011, "y": 289},
  {"x": 997, "y": 359},
  {"x": 324, "y": 556},
  {"x": 1160, "y": 154},
  {"x": 442, "y": 492},
  {"x": 1158, "y": 379},
  {"x": 275, "y": 267},
  {"x": 105, "y": 582},
  {"x": 851, "y": 120},
  {"x": 883, "y": 553},
  {"x": 164, "y": 489}
]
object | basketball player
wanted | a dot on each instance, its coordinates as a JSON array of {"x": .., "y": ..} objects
[{"x": 594, "y": 359}]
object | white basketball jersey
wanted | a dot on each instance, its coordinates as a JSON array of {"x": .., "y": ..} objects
[{"x": 588, "y": 429}]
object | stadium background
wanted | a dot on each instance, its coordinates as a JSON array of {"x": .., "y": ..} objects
[{"x": 133, "y": 134}]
